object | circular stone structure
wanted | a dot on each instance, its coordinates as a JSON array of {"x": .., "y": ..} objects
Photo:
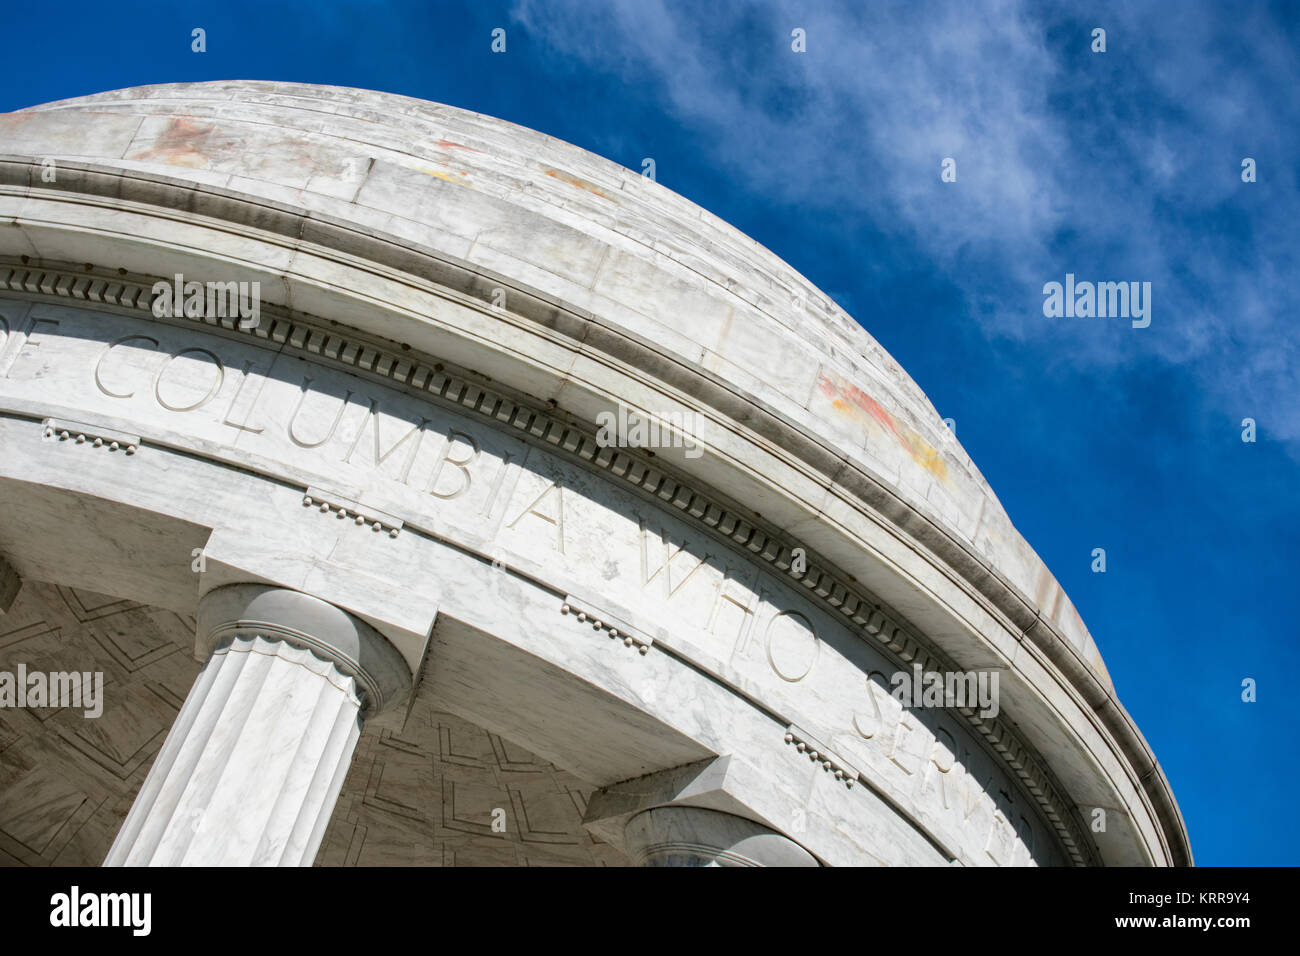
[{"x": 417, "y": 428}]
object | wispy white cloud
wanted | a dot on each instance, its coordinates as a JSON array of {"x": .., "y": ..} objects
[{"x": 1123, "y": 165}]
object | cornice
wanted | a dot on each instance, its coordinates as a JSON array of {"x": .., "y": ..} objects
[
  {"x": 861, "y": 612},
  {"x": 471, "y": 286}
]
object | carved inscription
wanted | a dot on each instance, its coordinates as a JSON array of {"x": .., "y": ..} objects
[{"x": 457, "y": 475}]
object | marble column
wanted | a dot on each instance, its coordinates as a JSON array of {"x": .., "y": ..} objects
[
  {"x": 252, "y": 767},
  {"x": 691, "y": 836}
]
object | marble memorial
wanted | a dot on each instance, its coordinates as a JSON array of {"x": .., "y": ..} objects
[{"x": 366, "y": 584}]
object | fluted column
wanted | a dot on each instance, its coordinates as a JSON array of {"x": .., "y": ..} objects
[
  {"x": 690, "y": 836},
  {"x": 252, "y": 767}
]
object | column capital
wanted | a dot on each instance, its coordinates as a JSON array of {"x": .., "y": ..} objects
[
  {"x": 328, "y": 632},
  {"x": 252, "y": 767},
  {"x": 697, "y": 814},
  {"x": 692, "y": 836}
]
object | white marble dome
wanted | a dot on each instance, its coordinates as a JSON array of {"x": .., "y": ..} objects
[{"x": 533, "y": 286}]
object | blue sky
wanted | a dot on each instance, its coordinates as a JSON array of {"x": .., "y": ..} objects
[{"x": 1123, "y": 165}]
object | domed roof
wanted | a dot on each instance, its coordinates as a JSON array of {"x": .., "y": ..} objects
[
  {"x": 624, "y": 264},
  {"x": 591, "y": 234}
]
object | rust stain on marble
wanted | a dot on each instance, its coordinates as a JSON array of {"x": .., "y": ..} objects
[
  {"x": 448, "y": 144},
  {"x": 457, "y": 176},
  {"x": 574, "y": 181},
  {"x": 851, "y": 401},
  {"x": 179, "y": 144}
]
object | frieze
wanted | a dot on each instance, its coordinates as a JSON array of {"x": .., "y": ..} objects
[{"x": 452, "y": 475}]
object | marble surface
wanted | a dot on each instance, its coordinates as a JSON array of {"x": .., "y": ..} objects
[
  {"x": 449, "y": 302},
  {"x": 563, "y": 538},
  {"x": 572, "y": 226}
]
